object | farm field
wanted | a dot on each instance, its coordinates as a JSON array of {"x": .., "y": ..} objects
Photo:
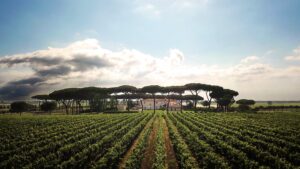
[
  {"x": 274, "y": 103},
  {"x": 151, "y": 140}
]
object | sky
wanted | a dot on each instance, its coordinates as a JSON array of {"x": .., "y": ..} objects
[{"x": 249, "y": 46}]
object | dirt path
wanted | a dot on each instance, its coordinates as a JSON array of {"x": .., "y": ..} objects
[
  {"x": 122, "y": 164},
  {"x": 171, "y": 158},
  {"x": 150, "y": 150}
]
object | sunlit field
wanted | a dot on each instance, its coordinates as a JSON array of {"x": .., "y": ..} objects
[
  {"x": 151, "y": 140},
  {"x": 149, "y": 84}
]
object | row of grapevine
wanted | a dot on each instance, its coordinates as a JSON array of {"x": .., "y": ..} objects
[
  {"x": 36, "y": 153},
  {"x": 183, "y": 154},
  {"x": 269, "y": 147},
  {"x": 111, "y": 159},
  {"x": 186, "y": 140},
  {"x": 65, "y": 143},
  {"x": 202, "y": 151},
  {"x": 237, "y": 149},
  {"x": 80, "y": 141},
  {"x": 95, "y": 149},
  {"x": 37, "y": 133},
  {"x": 69, "y": 134},
  {"x": 33, "y": 133},
  {"x": 160, "y": 152},
  {"x": 239, "y": 153},
  {"x": 279, "y": 135},
  {"x": 135, "y": 158}
]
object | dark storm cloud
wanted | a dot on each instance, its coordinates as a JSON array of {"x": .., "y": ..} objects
[
  {"x": 29, "y": 81},
  {"x": 55, "y": 71},
  {"x": 20, "y": 89},
  {"x": 33, "y": 59},
  {"x": 51, "y": 64},
  {"x": 82, "y": 63}
]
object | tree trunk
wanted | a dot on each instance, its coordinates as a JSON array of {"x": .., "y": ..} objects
[
  {"x": 142, "y": 105},
  {"x": 103, "y": 102},
  {"x": 58, "y": 105},
  {"x": 90, "y": 105},
  {"x": 78, "y": 106},
  {"x": 196, "y": 102},
  {"x": 39, "y": 109},
  {"x": 79, "y": 109},
  {"x": 72, "y": 107},
  {"x": 154, "y": 103},
  {"x": 181, "y": 105},
  {"x": 127, "y": 105},
  {"x": 116, "y": 104},
  {"x": 208, "y": 99},
  {"x": 66, "y": 107},
  {"x": 105, "y": 106},
  {"x": 168, "y": 105}
]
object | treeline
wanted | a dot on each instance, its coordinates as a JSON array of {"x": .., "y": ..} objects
[
  {"x": 101, "y": 99},
  {"x": 277, "y": 108}
]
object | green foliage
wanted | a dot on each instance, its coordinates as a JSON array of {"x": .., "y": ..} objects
[
  {"x": 111, "y": 159},
  {"x": 124, "y": 89},
  {"x": 192, "y": 97},
  {"x": 189, "y": 105},
  {"x": 160, "y": 152},
  {"x": 97, "y": 105},
  {"x": 183, "y": 154},
  {"x": 205, "y": 103},
  {"x": 135, "y": 159},
  {"x": 152, "y": 89},
  {"x": 244, "y": 104},
  {"x": 19, "y": 107},
  {"x": 270, "y": 103},
  {"x": 243, "y": 147},
  {"x": 200, "y": 140},
  {"x": 48, "y": 106},
  {"x": 41, "y": 97}
]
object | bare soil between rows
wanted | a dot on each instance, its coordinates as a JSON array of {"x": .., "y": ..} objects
[
  {"x": 122, "y": 164},
  {"x": 171, "y": 157},
  {"x": 149, "y": 154}
]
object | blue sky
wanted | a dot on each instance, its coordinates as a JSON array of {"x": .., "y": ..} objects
[
  {"x": 207, "y": 32},
  {"x": 215, "y": 30}
]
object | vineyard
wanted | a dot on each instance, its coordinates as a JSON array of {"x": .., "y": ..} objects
[{"x": 151, "y": 140}]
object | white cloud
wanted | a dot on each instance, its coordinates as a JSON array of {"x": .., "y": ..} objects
[
  {"x": 295, "y": 56},
  {"x": 189, "y": 3},
  {"x": 175, "y": 57},
  {"x": 148, "y": 9},
  {"x": 269, "y": 52},
  {"x": 250, "y": 59},
  {"x": 292, "y": 58},
  {"x": 86, "y": 63},
  {"x": 155, "y": 8}
]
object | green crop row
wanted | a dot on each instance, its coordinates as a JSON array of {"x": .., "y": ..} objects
[
  {"x": 234, "y": 147},
  {"x": 137, "y": 155},
  {"x": 201, "y": 150},
  {"x": 160, "y": 152},
  {"x": 111, "y": 159},
  {"x": 226, "y": 133},
  {"x": 67, "y": 140},
  {"x": 183, "y": 154}
]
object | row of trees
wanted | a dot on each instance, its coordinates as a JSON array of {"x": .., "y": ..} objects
[
  {"x": 103, "y": 98},
  {"x": 21, "y": 106}
]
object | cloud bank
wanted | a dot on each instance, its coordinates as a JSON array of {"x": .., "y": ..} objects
[
  {"x": 86, "y": 63},
  {"x": 295, "y": 56},
  {"x": 156, "y": 8}
]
